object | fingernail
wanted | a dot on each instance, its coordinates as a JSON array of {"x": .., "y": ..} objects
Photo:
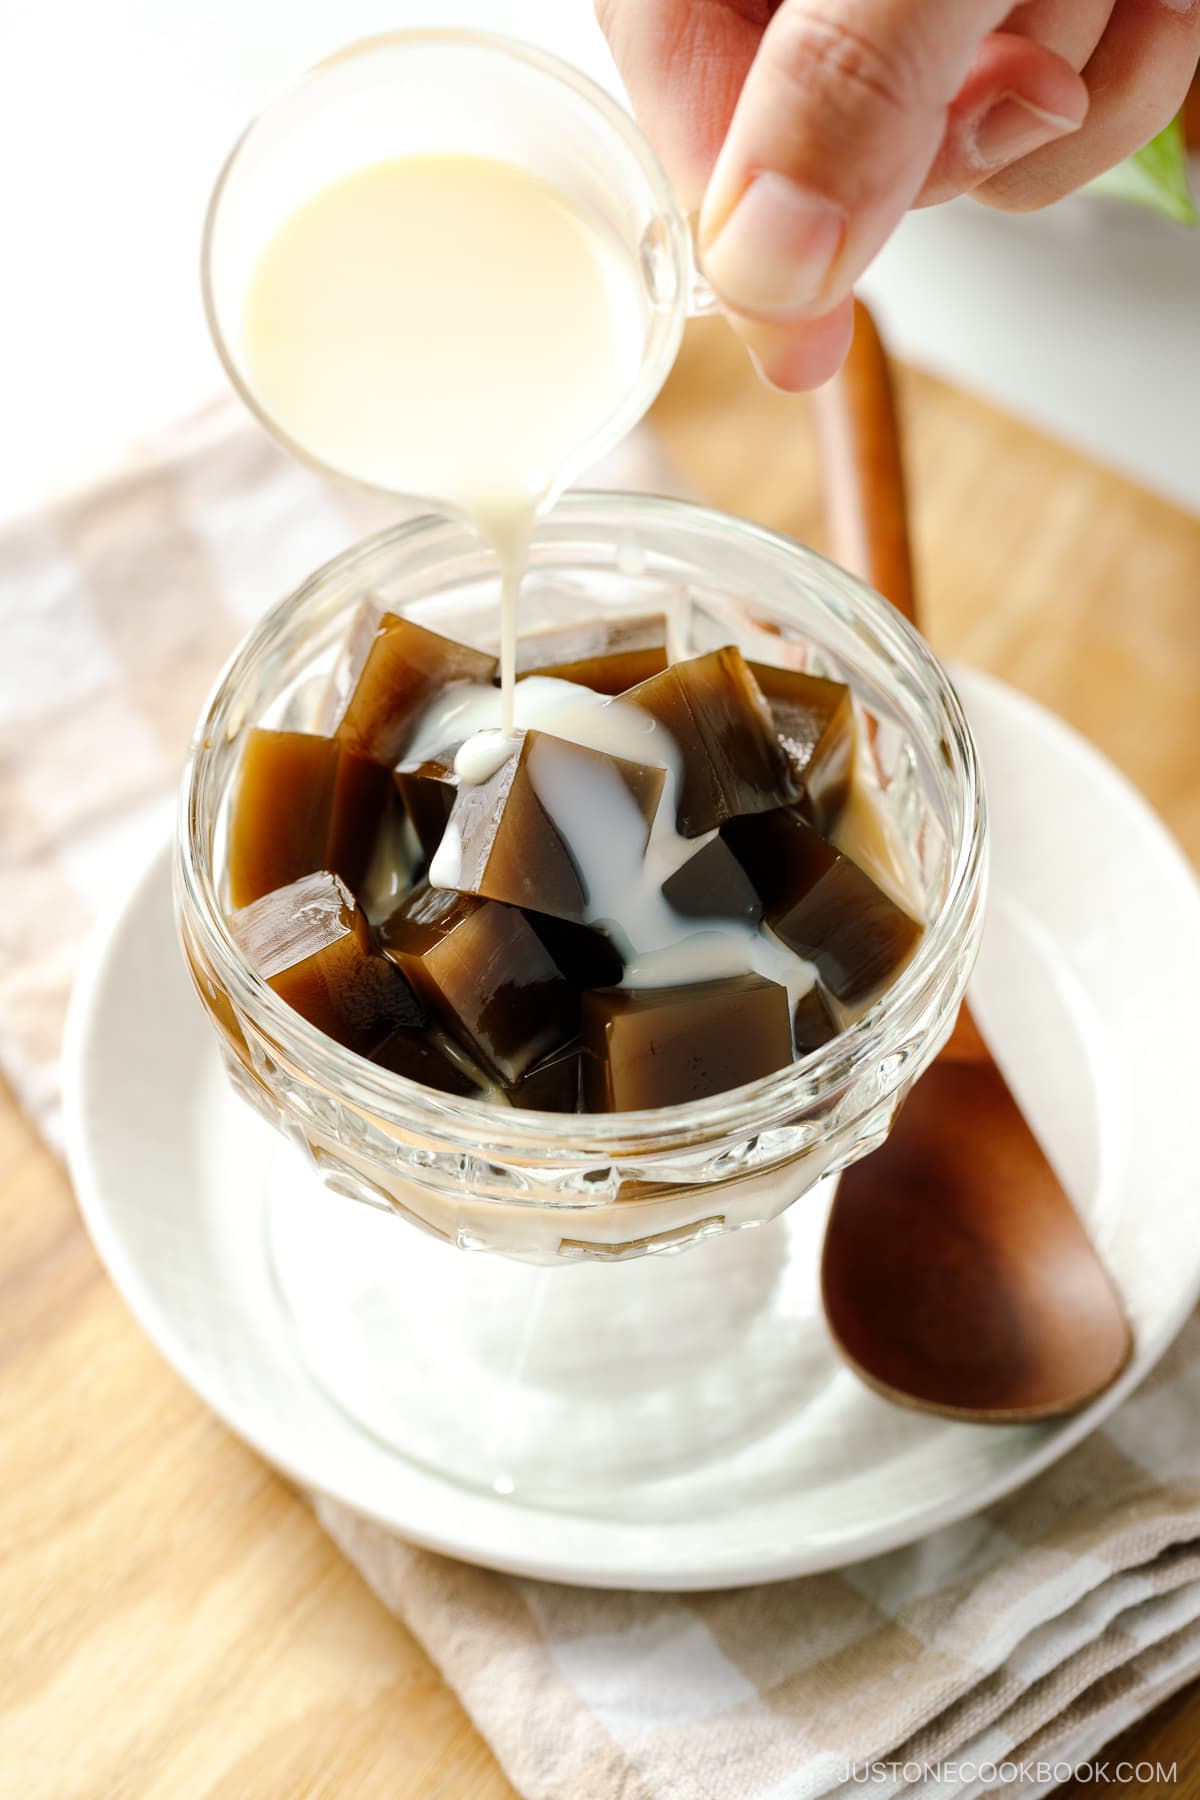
[
  {"x": 773, "y": 254},
  {"x": 1012, "y": 127}
]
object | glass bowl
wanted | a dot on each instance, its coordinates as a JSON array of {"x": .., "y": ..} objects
[{"x": 400, "y": 1331}]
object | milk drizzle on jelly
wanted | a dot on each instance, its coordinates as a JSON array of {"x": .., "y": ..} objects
[
  {"x": 603, "y": 830},
  {"x": 450, "y": 326}
]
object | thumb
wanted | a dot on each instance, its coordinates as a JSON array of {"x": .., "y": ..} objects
[{"x": 838, "y": 122}]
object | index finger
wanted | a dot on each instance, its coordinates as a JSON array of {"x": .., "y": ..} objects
[{"x": 683, "y": 63}]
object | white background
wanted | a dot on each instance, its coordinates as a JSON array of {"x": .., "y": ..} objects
[{"x": 115, "y": 116}]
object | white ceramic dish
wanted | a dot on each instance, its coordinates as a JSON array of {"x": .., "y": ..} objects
[{"x": 1091, "y": 952}]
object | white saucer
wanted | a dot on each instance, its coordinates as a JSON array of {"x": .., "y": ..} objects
[{"x": 1088, "y": 985}]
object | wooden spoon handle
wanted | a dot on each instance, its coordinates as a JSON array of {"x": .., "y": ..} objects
[
  {"x": 866, "y": 510},
  {"x": 866, "y": 514}
]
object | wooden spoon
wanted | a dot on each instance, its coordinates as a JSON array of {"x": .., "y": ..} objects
[{"x": 956, "y": 1275}]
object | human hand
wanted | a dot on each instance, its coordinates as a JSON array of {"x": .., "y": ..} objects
[{"x": 804, "y": 129}]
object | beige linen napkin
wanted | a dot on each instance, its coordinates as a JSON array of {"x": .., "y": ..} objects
[{"x": 997, "y": 1653}]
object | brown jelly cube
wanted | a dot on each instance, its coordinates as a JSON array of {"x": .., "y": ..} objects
[
  {"x": 483, "y": 970},
  {"x": 607, "y": 655},
  {"x": 509, "y": 847},
  {"x": 662, "y": 1046},
  {"x": 311, "y": 943},
  {"x": 428, "y": 786},
  {"x": 427, "y": 790},
  {"x": 588, "y": 958},
  {"x": 813, "y": 1024},
  {"x": 396, "y": 667},
  {"x": 822, "y": 905},
  {"x": 722, "y": 726},
  {"x": 713, "y": 885},
  {"x": 303, "y": 803},
  {"x": 553, "y": 1085},
  {"x": 428, "y": 1057},
  {"x": 814, "y": 721},
  {"x": 395, "y": 864}
]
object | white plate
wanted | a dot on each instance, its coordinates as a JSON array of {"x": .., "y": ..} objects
[{"x": 1088, "y": 984}]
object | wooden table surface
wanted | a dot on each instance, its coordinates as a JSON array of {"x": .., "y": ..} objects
[{"x": 173, "y": 1624}]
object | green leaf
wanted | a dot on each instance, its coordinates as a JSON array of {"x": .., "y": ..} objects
[{"x": 1156, "y": 176}]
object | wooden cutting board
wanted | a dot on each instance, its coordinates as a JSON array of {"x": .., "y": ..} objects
[{"x": 173, "y": 1624}]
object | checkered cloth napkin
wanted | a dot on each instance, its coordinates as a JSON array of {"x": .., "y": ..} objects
[{"x": 996, "y": 1653}]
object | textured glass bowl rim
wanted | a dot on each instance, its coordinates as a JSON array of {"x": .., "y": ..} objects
[
  {"x": 502, "y": 1131},
  {"x": 693, "y": 293}
]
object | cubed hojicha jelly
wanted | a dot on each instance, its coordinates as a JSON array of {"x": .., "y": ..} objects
[
  {"x": 427, "y": 790},
  {"x": 813, "y": 1023},
  {"x": 395, "y": 668},
  {"x": 822, "y": 905},
  {"x": 553, "y": 1085},
  {"x": 713, "y": 885},
  {"x": 431, "y": 1058},
  {"x": 814, "y": 720},
  {"x": 427, "y": 784},
  {"x": 508, "y": 840},
  {"x": 483, "y": 971},
  {"x": 501, "y": 982},
  {"x": 302, "y": 803},
  {"x": 732, "y": 762},
  {"x": 607, "y": 655},
  {"x": 664, "y": 1046},
  {"x": 310, "y": 942},
  {"x": 586, "y": 957}
]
